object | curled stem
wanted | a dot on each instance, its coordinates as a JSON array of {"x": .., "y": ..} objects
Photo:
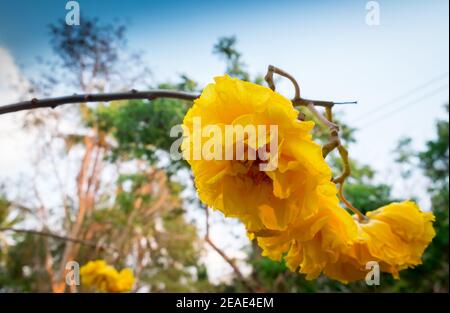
[
  {"x": 361, "y": 217},
  {"x": 275, "y": 70},
  {"x": 332, "y": 126},
  {"x": 346, "y": 165},
  {"x": 334, "y": 141}
]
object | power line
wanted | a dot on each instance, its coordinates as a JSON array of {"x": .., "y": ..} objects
[
  {"x": 404, "y": 95},
  {"x": 407, "y": 105}
]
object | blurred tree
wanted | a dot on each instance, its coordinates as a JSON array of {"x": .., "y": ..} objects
[
  {"x": 7, "y": 221},
  {"x": 433, "y": 274},
  {"x": 117, "y": 197},
  {"x": 226, "y": 49}
]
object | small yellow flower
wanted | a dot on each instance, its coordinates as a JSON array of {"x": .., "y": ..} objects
[
  {"x": 125, "y": 281},
  {"x": 398, "y": 234},
  {"x": 335, "y": 244},
  {"x": 102, "y": 277},
  {"x": 395, "y": 236},
  {"x": 313, "y": 243}
]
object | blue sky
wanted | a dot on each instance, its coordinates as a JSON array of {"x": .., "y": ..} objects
[{"x": 325, "y": 44}]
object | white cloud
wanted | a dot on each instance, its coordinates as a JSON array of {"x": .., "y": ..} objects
[
  {"x": 12, "y": 82},
  {"x": 13, "y": 140}
]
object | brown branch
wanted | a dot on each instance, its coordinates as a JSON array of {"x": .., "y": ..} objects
[
  {"x": 48, "y": 254},
  {"x": 298, "y": 100},
  {"x": 52, "y": 235},
  {"x": 278, "y": 281},
  {"x": 71, "y": 247},
  {"x": 227, "y": 259},
  {"x": 100, "y": 97},
  {"x": 149, "y": 95}
]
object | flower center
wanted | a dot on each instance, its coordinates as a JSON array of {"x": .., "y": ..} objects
[{"x": 253, "y": 171}]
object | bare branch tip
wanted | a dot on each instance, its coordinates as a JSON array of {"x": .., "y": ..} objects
[{"x": 346, "y": 102}]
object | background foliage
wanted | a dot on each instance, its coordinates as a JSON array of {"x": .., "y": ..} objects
[{"x": 123, "y": 193}]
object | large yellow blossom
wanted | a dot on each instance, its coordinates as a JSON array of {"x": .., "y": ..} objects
[
  {"x": 102, "y": 277},
  {"x": 293, "y": 211},
  {"x": 263, "y": 200}
]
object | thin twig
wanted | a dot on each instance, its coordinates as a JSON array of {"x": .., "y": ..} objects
[
  {"x": 52, "y": 235},
  {"x": 297, "y": 100},
  {"x": 101, "y": 97},
  {"x": 331, "y": 126},
  {"x": 224, "y": 256}
]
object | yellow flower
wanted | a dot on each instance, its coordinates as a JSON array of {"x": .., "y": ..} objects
[
  {"x": 399, "y": 233},
  {"x": 263, "y": 200},
  {"x": 395, "y": 236},
  {"x": 311, "y": 244},
  {"x": 125, "y": 281},
  {"x": 102, "y": 277}
]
